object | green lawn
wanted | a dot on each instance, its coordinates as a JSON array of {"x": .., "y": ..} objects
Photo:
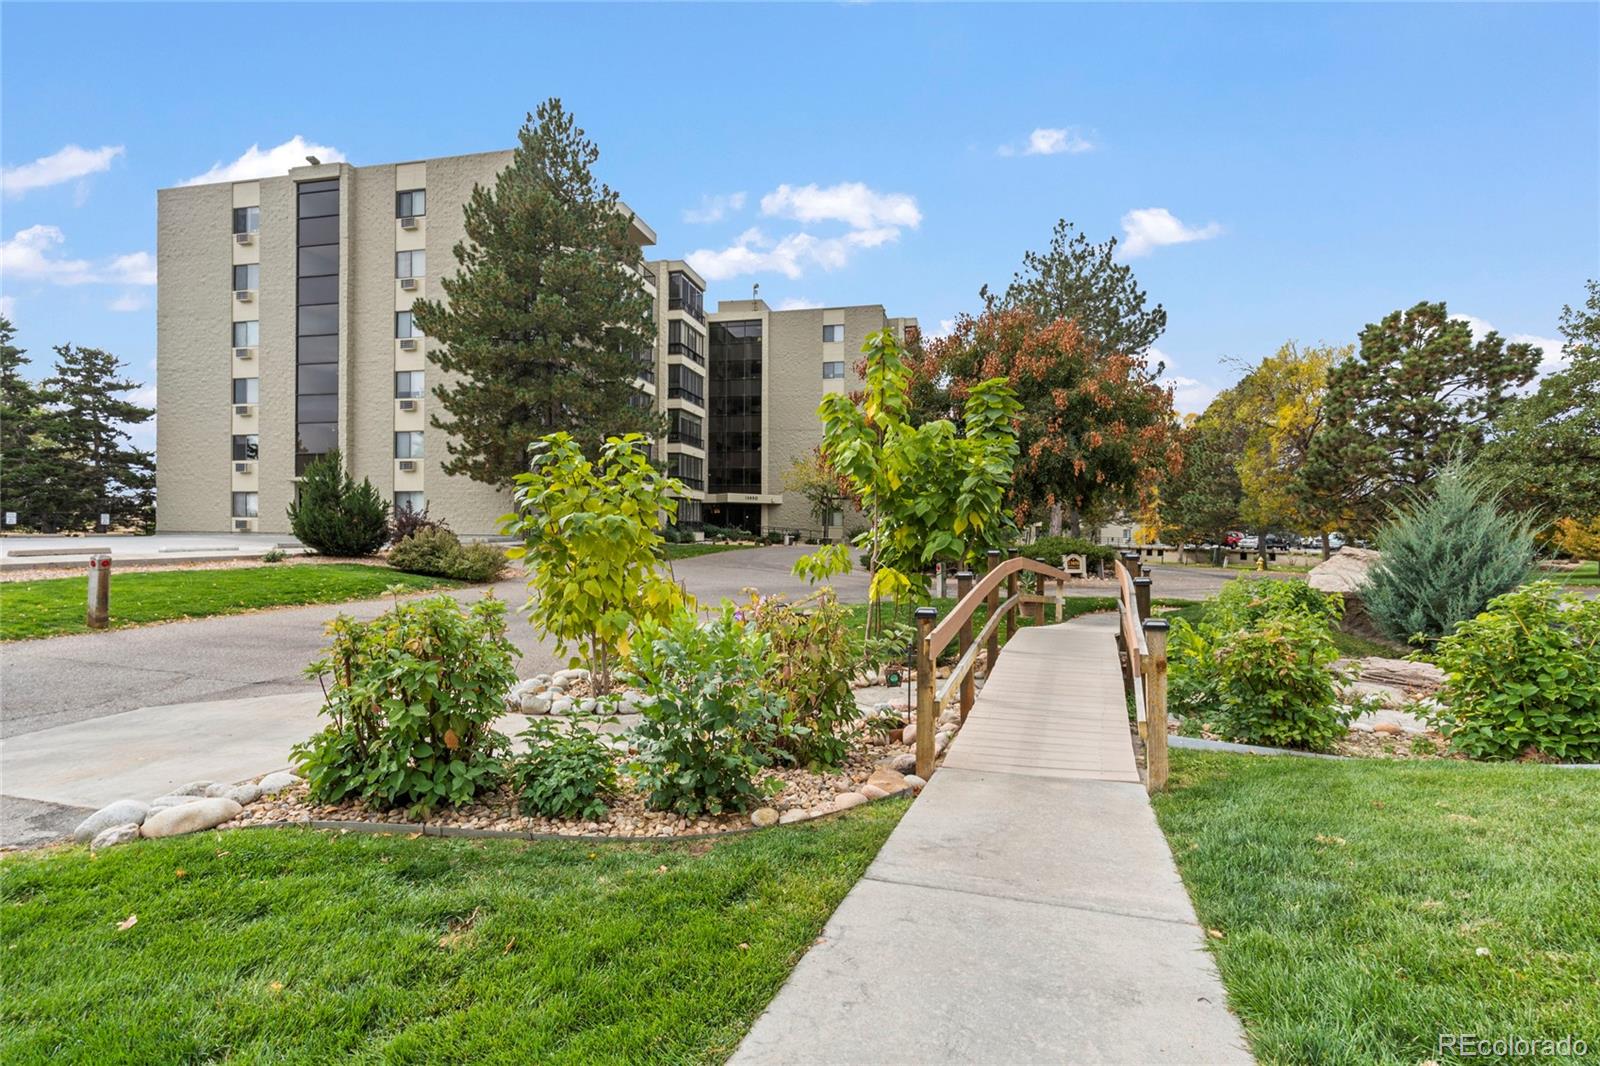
[
  {"x": 704, "y": 547},
  {"x": 1366, "y": 907},
  {"x": 296, "y": 945},
  {"x": 52, "y": 606},
  {"x": 1587, "y": 573}
]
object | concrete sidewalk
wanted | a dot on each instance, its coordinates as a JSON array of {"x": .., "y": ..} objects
[{"x": 1022, "y": 914}]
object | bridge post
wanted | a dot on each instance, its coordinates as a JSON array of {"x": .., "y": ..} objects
[
  {"x": 925, "y": 617},
  {"x": 1013, "y": 616},
  {"x": 1155, "y": 700},
  {"x": 963, "y": 587},
  {"x": 993, "y": 603},
  {"x": 1141, "y": 595}
]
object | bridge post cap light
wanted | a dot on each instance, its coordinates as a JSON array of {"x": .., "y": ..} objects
[
  {"x": 993, "y": 553},
  {"x": 926, "y": 614},
  {"x": 1015, "y": 551},
  {"x": 963, "y": 574},
  {"x": 1143, "y": 580},
  {"x": 1159, "y": 624}
]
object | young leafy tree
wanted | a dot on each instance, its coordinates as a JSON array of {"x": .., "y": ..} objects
[
  {"x": 931, "y": 492},
  {"x": 334, "y": 515},
  {"x": 99, "y": 470},
  {"x": 29, "y": 462},
  {"x": 591, "y": 541},
  {"x": 546, "y": 318},
  {"x": 1083, "y": 282},
  {"x": 1420, "y": 392},
  {"x": 1095, "y": 423},
  {"x": 1546, "y": 447},
  {"x": 811, "y": 478}
]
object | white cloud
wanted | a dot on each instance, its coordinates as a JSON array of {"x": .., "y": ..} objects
[
  {"x": 1147, "y": 228},
  {"x": 1051, "y": 140},
  {"x": 27, "y": 255},
  {"x": 129, "y": 301},
  {"x": 947, "y": 326},
  {"x": 850, "y": 202},
  {"x": 715, "y": 208},
  {"x": 753, "y": 252},
  {"x": 1554, "y": 358},
  {"x": 8, "y": 306},
  {"x": 255, "y": 163},
  {"x": 69, "y": 163},
  {"x": 798, "y": 303},
  {"x": 1190, "y": 396}
]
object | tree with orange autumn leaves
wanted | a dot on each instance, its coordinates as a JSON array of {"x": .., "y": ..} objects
[{"x": 1095, "y": 422}]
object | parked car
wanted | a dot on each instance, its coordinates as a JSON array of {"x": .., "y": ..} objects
[
  {"x": 1276, "y": 540},
  {"x": 1335, "y": 541},
  {"x": 1248, "y": 544},
  {"x": 1232, "y": 538}
]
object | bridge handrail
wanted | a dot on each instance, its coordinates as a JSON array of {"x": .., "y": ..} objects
[{"x": 1143, "y": 640}]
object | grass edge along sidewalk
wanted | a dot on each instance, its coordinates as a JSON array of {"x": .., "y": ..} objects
[
  {"x": 1359, "y": 909},
  {"x": 49, "y": 607},
  {"x": 303, "y": 945}
]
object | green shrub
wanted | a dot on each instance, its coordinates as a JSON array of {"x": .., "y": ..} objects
[
  {"x": 408, "y": 520},
  {"x": 1258, "y": 665},
  {"x": 566, "y": 772},
  {"x": 1524, "y": 675},
  {"x": 436, "y": 551},
  {"x": 815, "y": 665},
  {"x": 707, "y": 723},
  {"x": 273, "y": 555},
  {"x": 335, "y": 516},
  {"x": 1445, "y": 554},
  {"x": 412, "y": 695},
  {"x": 1051, "y": 549}
]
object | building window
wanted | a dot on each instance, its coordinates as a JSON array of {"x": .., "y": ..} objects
[
  {"x": 833, "y": 369},
  {"x": 411, "y": 203},
  {"x": 246, "y": 334},
  {"x": 317, "y": 318},
  {"x": 684, "y": 384},
  {"x": 408, "y": 385},
  {"x": 410, "y": 264},
  {"x": 684, "y": 295},
  {"x": 246, "y": 390},
  {"x": 684, "y": 428},
  {"x": 245, "y": 505},
  {"x": 246, "y": 219},
  {"x": 246, "y": 276},
  {"x": 245, "y": 446},
  {"x": 408, "y": 445},
  {"x": 683, "y": 339},
  {"x": 410, "y": 501},
  {"x": 404, "y": 326},
  {"x": 734, "y": 447},
  {"x": 832, "y": 334},
  {"x": 688, "y": 469}
]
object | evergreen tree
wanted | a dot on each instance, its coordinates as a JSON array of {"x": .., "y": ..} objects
[
  {"x": 547, "y": 321},
  {"x": 1546, "y": 448},
  {"x": 334, "y": 515},
  {"x": 1201, "y": 498},
  {"x": 99, "y": 471},
  {"x": 28, "y": 459},
  {"x": 1419, "y": 392},
  {"x": 1083, "y": 282}
]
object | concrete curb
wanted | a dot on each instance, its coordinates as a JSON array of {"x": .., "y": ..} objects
[{"x": 1198, "y": 744}]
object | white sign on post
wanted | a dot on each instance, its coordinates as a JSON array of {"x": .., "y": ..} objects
[
  {"x": 105, "y": 519},
  {"x": 11, "y": 518}
]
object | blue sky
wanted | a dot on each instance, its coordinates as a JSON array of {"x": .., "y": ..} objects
[{"x": 1288, "y": 171}]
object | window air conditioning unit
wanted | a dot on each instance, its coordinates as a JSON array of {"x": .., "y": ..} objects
[
  {"x": 408, "y": 466},
  {"x": 244, "y": 238},
  {"x": 408, "y": 405},
  {"x": 408, "y": 284},
  {"x": 244, "y": 353},
  {"x": 244, "y": 296},
  {"x": 408, "y": 222},
  {"x": 244, "y": 525},
  {"x": 243, "y": 468},
  {"x": 244, "y": 410},
  {"x": 408, "y": 344}
]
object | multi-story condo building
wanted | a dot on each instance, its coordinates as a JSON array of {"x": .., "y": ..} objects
[
  {"x": 284, "y": 330},
  {"x": 769, "y": 371}
]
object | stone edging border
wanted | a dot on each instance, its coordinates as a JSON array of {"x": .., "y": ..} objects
[
  {"x": 1199, "y": 744},
  {"x": 468, "y": 832}
]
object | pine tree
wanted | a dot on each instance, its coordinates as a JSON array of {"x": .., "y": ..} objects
[
  {"x": 1419, "y": 392},
  {"x": 100, "y": 472},
  {"x": 28, "y": 459},
  {"x": 334, "y": 515},
  {"x": 547, "y": 321}
]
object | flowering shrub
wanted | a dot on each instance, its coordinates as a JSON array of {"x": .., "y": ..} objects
[
  {"x": 411, "y": 695},
  {"x": 1524, "y": 676},
  {"x": 811, "y": 646},
  {"x": 707, "y": 723}
]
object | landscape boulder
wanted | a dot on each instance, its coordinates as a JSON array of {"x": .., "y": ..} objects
[
  {"x": 845, "y": 800},
  {"x": 890, "y": 781},
  {"x": 275, "y": 783},
  {"x": 122, "y": 812},
  {"x": 190, "y": 817},
  {"x": 117, "y": 834},
  {"x": 763, "y": 817},
  {"x": 1345, "y": 572}
]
